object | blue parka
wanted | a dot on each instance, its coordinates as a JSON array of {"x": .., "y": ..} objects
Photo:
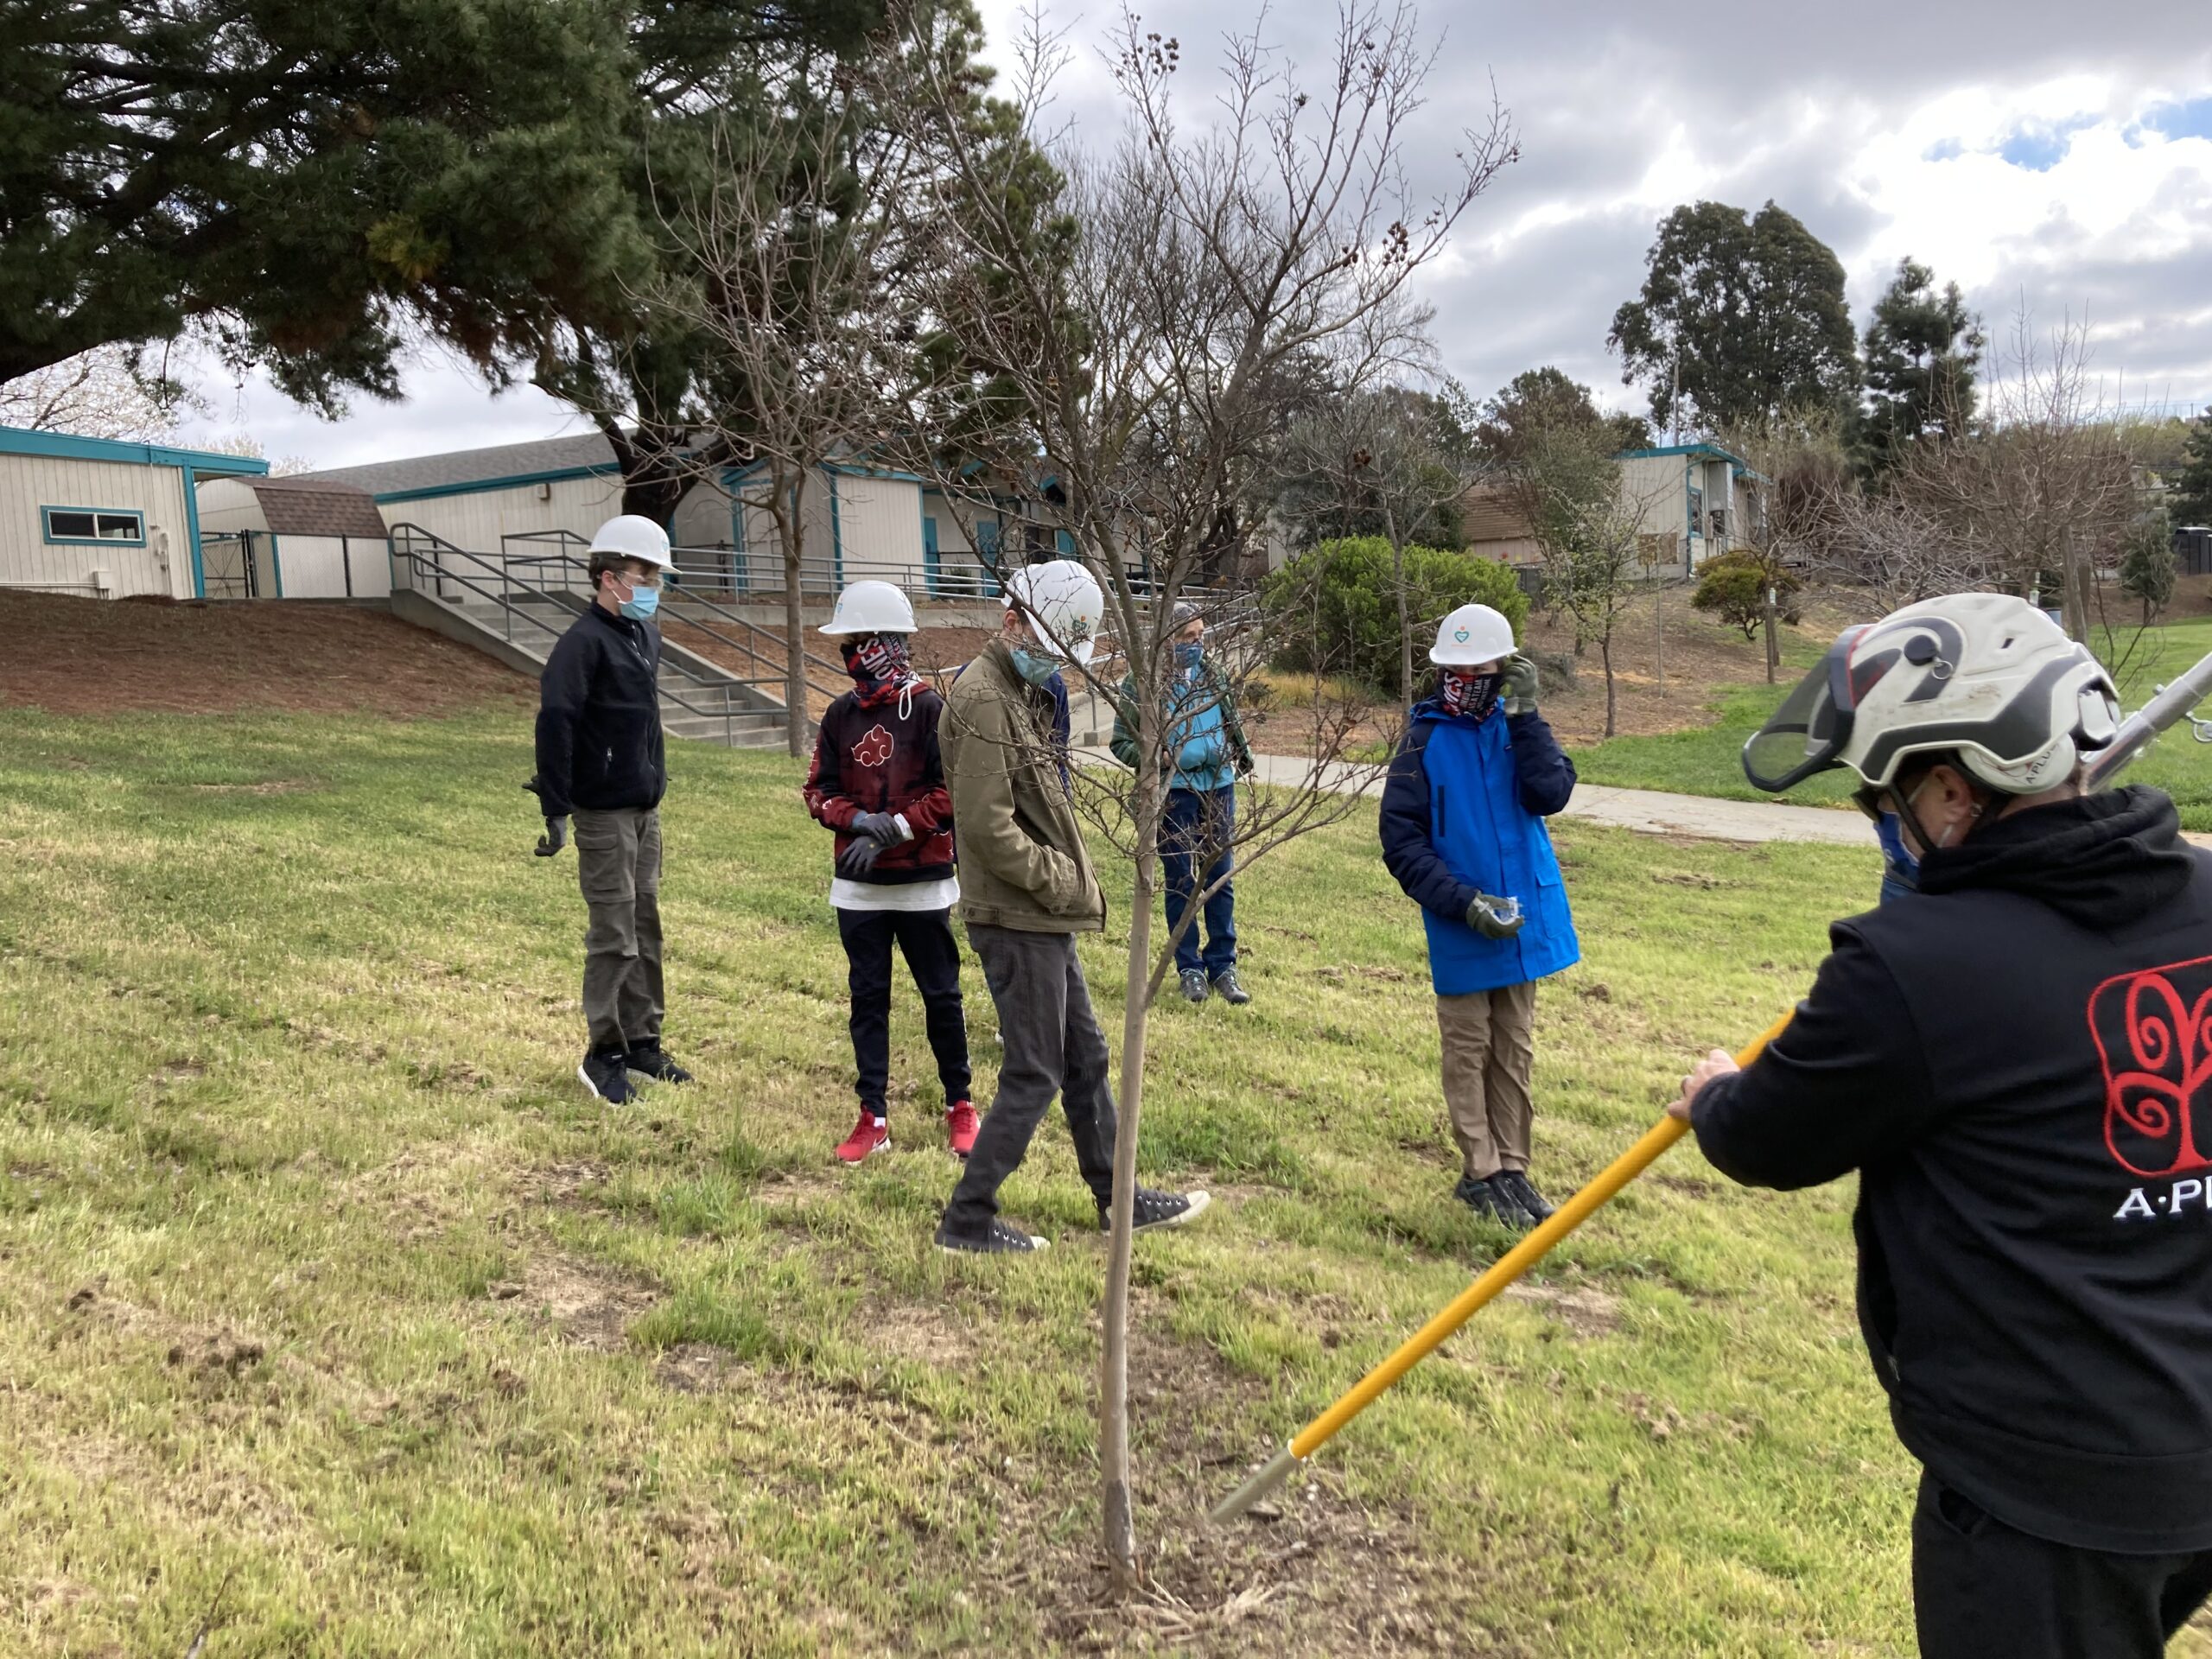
[{"x": 1463, "y": 813}]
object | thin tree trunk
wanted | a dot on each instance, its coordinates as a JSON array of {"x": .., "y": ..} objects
[
  {"x": 1605, "y": 656},
  {"x": 794, "y": 716},
  {"x": 1405, "y": 626},
  {"x": 1119, "y": 1506}
]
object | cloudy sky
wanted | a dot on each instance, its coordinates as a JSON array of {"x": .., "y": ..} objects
[{"x": 2033, "y": 152}]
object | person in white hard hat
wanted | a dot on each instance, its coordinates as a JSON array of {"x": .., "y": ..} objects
[
  {"x": 2010, "y": 1056},
  {"x": 600, "y": 762},
  {"x": 1463, "y": 830},
  {"x": 1026, "y": 890},
  {"x": 878, "y": 781}
]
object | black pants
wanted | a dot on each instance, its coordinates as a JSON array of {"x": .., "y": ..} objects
[
  {"x": 925, "y": 937},
  {"x": 1053, "y": 1047},
  {"x": 1981, "y": 1589}
]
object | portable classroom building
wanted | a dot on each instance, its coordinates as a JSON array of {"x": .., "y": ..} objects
[{"x": 99, "y": 516}]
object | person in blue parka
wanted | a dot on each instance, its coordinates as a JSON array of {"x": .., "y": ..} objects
[{"x": 1463, "y": 830}]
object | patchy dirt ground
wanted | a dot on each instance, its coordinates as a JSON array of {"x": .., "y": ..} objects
[{"x": 73, "y": 655}]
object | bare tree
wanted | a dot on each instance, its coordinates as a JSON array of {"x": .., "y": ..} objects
[
  {"x": 107, "y": 392},
  {"x": 1137, "y": 315}
]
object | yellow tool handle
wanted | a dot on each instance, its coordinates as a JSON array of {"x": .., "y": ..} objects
[{"x": 1502, "y": 1272}]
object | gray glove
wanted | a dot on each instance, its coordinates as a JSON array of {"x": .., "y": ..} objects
[
  {"x": 858, "y": 859},
  {"x": 1495, "y": 918},
  {"x": 1518, "y": 695},
  {"x": 879, "y": 827},
  {"x": 555, "y": 838}
]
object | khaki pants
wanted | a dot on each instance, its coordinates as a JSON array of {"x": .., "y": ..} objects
[
  {"x": 618, "y": 865},
  {"x": 1488, "y": 1056}
]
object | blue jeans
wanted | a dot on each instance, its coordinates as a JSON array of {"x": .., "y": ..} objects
[{"x": 1197, "y": 826}]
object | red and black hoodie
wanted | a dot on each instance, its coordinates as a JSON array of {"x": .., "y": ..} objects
[
  {"x": 2018, "y": 1061},
  {"x": 877, "y": 753}
]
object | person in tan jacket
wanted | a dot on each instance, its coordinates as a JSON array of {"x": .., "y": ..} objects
[{"x": 1026, "y": 890}]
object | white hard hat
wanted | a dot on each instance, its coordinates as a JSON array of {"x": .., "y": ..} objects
[
  {"x": 1063, "y": 605},
  {"x": 869, "y": 607},
  {"x": 1987, "y": 677},
  {"x": 1471, "y": 634},
  {"x": 634, "y": 536}
]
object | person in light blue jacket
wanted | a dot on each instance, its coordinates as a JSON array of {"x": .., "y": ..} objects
[
  {"x": 1204, "y": 753},
  {"x": 1463, "y": 830}
]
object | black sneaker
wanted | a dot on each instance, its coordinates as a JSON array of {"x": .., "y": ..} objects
[
  {"x": 1194, "y": 985},
  {"x": 606, "y": 1075},
  {"x": 1000, "y": 1240},
  {"x": 651, "y": 1061},
  {"x": 1230, "y": 989},
  {"x": 1159, "y": 1210},
  {"x": 1514, "y": 1184},
  {"x": 1493, "y": 1202}
]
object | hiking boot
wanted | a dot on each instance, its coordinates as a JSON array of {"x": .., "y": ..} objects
[
  {"x": 960, "y": 1128},
  {"x": 1159, "y": 1210},
  {"x": 651, "y": 1061},
  {"x": 604, "y": 1073},
  {"x": 999, "y": 1240},
  {"x": 1231, "y": 990},
  {"x": 1514, "y": 1184},
  {"x": 870, "y": 1134},
  {"x": 1194, "y": 985},
  {"x": 1492, "y": 1203}
]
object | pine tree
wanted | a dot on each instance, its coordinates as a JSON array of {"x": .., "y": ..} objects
[
  {"x": 2192, "y": 503},
  {"x": 1923, "y": 349}
]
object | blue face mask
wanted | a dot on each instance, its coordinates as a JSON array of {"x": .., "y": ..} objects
[
  {"x": 1189, "y": 654},
  {"x": 641, "y": 604},
  {"x": 1904, "y": 864},
  {"x": 1033, "y": 666}
]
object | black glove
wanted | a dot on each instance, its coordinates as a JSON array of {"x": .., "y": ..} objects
[
  {"x": 880, "y": 827},
  {"x": 555, "y": 838},
  {"x": 1495, "y": 918},
  {"x": 1244, "y": 764},
  {"x": 859, "y": 857}
]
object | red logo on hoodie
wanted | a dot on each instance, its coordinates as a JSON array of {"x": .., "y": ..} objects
[
  {"x": 874, "y": 748},
  {"x": 2153, "y": 1032}
]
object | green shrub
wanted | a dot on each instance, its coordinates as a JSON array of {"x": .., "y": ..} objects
[
  {"x": 2148, "y": 568},
  {"x": 1732, "y": 587},
  {"x": 1334, "y": 609}
]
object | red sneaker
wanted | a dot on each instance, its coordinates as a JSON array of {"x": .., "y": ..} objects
[
  {"x": 960, "y": 1128},
  {"x": 870, "y": 1134}
]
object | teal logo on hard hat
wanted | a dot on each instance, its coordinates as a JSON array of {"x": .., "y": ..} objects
[{"x": 1460, "y": 635}]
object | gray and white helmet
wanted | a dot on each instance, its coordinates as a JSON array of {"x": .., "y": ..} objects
[{"x": 1986, "y": 677}]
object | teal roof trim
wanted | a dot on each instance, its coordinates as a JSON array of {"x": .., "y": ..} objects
[
  {"x": 63, "y": 445},
  {"x": 478, "y": 486}
]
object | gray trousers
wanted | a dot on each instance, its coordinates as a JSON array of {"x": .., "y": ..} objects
[
  {"x": 618, "y": 865},
  {"x": 1053, "y": 1047}
]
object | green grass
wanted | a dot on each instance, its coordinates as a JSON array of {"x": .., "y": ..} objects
[
  {"x": 1707, "y": 760},
  {"x": 333, "y": 1314}
]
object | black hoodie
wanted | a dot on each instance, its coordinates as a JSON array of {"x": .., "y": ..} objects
[
  {"x": 2011, "y": 1058},
  {"x": 599, "y": 737}
]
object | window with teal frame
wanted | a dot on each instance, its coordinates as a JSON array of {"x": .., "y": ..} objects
[{"x": 93, "y": 526}]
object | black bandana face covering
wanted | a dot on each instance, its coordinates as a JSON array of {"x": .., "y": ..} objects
[
  {"x": 1473, "y": 695},
  {"x": 878, "y": 663}
]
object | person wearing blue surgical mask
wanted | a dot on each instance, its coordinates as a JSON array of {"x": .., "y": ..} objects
[
  {"x": 601, "y": 761},
  {"x": 1203, "y": 754}
]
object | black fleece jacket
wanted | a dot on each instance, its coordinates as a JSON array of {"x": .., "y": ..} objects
[
  {"x": 2012, "y": 1058},
  {"x": 599, "y": 737}
]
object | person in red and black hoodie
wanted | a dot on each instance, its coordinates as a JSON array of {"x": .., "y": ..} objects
[{"x": 877, "y": 781}]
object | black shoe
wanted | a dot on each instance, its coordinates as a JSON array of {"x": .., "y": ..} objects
[
  {"x": 651, "y": 1061},
  {"x": 1514, "y": 1183},
  {"x": 1194, "y": 985},
  {"x": 1492, "y": 1203},
  {"x": 604, "y": 1074},
  {"x": 1000, "y": 1240},
  {"x": 1159, "y": 1210},
  {"x": 1230, "y": 989}
]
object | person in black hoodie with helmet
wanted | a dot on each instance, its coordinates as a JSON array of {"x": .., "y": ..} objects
[
  {"x": 600, "y": 761},
  {"x": 2011, "y": 1056}
]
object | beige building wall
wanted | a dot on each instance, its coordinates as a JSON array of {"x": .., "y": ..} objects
[{"x": 162, "y": 565}]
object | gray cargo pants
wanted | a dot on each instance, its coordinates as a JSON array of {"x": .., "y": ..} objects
[
  {"x": 618, "y": 865},
  {"x": 1053, "y": 1047}
]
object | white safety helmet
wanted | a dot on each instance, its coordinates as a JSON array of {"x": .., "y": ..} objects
[
  {"x": 634, "y": 536},
  {"x": 1471, "y": 634},
  {"x": 1986, "y": 677},
  {"x": 869, "y": 607},
  {"x": 1063, "y": 605}
]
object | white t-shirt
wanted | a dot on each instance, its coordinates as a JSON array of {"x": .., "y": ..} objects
[{"x": 941, "y": 895}]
